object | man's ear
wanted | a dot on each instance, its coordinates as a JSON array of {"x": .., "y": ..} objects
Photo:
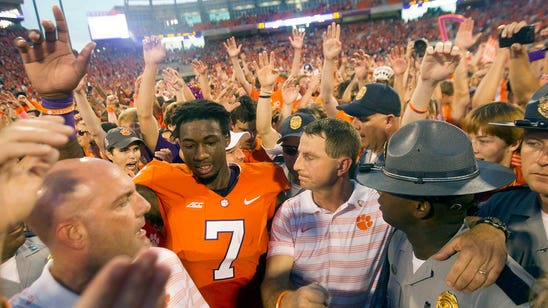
[
  {"x": 513, "y": 147},
  {"x": 227, "y": 140},
  {"x": 344, "y": 164},
  {"x": 109, "y": 155},
  {"x": 71, "y": 234}
]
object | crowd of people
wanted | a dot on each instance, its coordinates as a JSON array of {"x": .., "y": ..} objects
[{"x": 347, "y": 166}]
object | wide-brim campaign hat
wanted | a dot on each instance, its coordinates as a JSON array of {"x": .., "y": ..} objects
[
  {"x": 434, "y": 158},
  {"x": 536, "y": 112}
]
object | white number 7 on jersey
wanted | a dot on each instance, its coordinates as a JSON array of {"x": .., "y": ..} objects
[{"x": 236, "y": 227}]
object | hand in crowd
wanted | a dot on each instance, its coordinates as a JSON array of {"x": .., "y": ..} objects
[
  {"x": 35, "y": 140},
  {"x": 50, "y": 64},
  {"x": 481, "y": 240},
  {"x": 199, "y": 67},
  {"x": 439, "y": 62},
  {"x": 297, "y": 39},
  {"x": 164, "y": 155},
  {"x": 362, "y": 64},
  {"x": 232, "y": 48},
  {"x": 332, "y": 45},
  {"x": 267, "y": 73},
  {"x": 226, "y": 97},
  {"x": 7, "y": 98},
  {"x": 172, "y": 78},
  {"x": 507, "y": 31},
  {"x": 312, "y": 295},
  {"x": 125, "y": 283},
  {"x": 154, "y": 52},
  {"x": 398, "y": 60},
  {"x": 290, "y": 90},
  {"x": 465, "y": 38}
]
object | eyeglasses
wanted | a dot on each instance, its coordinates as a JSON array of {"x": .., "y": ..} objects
[
  {"x": 290, "y": 150},
  {"x": 82, "y": 132}
]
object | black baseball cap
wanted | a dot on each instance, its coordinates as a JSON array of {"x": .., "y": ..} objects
[
  {"x": 121, "y": 137},
  {"x": 373, "y": 98}
]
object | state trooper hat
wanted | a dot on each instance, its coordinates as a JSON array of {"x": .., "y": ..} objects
[{"x": 536, "y": 112}]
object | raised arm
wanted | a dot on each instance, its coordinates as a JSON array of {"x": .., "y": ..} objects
[
  {"x": 399, "y": 64},
  {"x": 487, "y": 88},
  {"x": 297, "y": 42},
  {"x": 88, "y": 115},
  {"x": 200, "y": 69},
  {"x": 521, "y": 76},
  {"x": 332, "y": 48},
  {"x": 233, "y": 51},
  {"x": 267, "y": 75},
  {"x": 154, "y": 53},
  {"x": 54, "y": 71},
  {"x": 438, "y": 64}
]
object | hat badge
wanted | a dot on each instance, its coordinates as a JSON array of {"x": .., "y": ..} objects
[
  {"x": 361, "y": 93},
  {"x": 447, "y": 299},
  {"x": 125, "y": 132},
  {"x": 296, "y": 122},
  {"x": 543, "y": 106}
]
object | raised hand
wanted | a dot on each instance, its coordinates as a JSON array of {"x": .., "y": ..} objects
[
  {"x": 332, "y": 46},
  {"x": 36, "y": 139},
  {"x": 439, "y": 62},
  {"x": 362, "y": 63},
  {"x": 290, "y": 90},
  {"x": 297, "y": 39},
  {"x": 50, "y": 64},
  {"x": 398, "y": 60},
  {"x": 172, "y": 78},
  {"x": 464, "y": 38},
  {"x": 154, "y": 51},
  {"x": 199, "y": 67},
  {"x": 232, "y": 48},
  {"x": 9, "y": 99},
  {"x": 267, "y": 72},
  {"x": 507, "y": 31}
]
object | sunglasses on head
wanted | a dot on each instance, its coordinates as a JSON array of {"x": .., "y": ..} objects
[
  {"x": 290, "y": 150},
  {"x": 81, "y": 132}
]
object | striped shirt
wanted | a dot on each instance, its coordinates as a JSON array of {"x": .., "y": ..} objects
[
  {"x": 180, "y": 289},
  {"x": 343, "y": 251}
]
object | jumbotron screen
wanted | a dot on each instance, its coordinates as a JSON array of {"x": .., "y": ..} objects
[{"x": 108, "y": 27}]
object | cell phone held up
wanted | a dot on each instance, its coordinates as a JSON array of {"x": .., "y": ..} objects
[{"x": 525, "y": 35}]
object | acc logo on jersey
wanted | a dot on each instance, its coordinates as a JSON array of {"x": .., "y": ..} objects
[
  {"x": 447, "y": 299},
  {"x": 195, "y": 205}
]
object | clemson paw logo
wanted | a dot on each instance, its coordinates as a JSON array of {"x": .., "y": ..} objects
[
  {"x": 125, "y": 132},
  {"x": 364, "y": 222}
]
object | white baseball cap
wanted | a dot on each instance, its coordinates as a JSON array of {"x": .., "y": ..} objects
[{"x": 235, "y": 138}]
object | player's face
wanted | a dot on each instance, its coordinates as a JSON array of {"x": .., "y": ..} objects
[
  {"x": 203, "y": 147},
  {"x": 317, "y": 171},
  {"x": 534, "y": 160}
]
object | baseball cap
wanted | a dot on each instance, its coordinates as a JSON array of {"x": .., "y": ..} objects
[
  {"x": 294, "y": 124},
  {"x": 235, "y": 138},
  {"x": 383, "y": 73},
  {"x": 120, "y": 137},
  {"x": 373, "y": 98}
]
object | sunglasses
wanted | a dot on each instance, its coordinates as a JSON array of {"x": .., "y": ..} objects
[
  {"x": 81, "y": 132},
  {"x": 290, "y": 150}
]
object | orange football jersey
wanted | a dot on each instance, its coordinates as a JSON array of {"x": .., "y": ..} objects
[{"x": 218, "y": 239}]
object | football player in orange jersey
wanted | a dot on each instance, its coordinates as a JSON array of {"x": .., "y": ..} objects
[{"x": 215, "y": 214}]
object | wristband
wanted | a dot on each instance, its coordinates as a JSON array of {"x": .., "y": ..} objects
[
  {"x": 280, "y": 297},
  {"x": 497, "y": 223},
  {"x": 58, "y": 107},
  {"x": 417, "y": 110},
  {"x": 265, "y": 96}
]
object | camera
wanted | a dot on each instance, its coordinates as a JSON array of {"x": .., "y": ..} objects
[{"x": 419, "y": 47}]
